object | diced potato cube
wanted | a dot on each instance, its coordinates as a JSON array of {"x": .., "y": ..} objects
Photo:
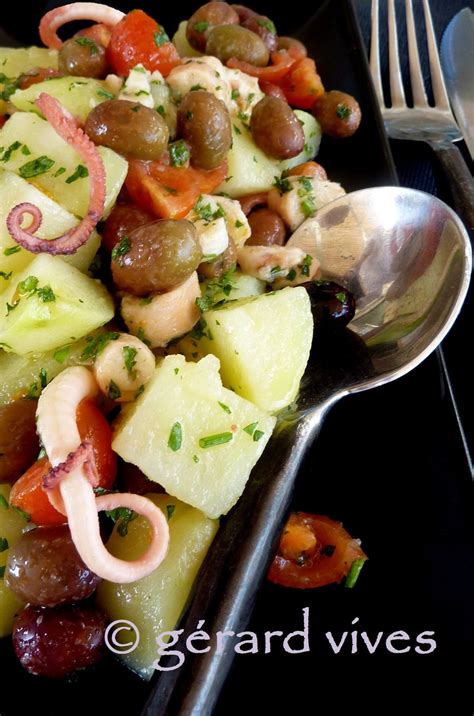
[
  {"x": 195, "y": 443},
  {"x": 154, "y": 604},
  {"x": 26, "y": 129},
  {"x": 263, "y": 344},
  {"x": 56, "y": 221},
  {"x": 50, "y": 304}
]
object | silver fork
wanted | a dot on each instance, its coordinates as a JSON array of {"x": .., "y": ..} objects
[{"x": 434, "y": 125}]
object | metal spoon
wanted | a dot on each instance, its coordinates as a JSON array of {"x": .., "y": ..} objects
[{"x": 407, "y": 258}]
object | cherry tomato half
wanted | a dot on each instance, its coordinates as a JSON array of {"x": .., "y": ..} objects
[
  {"x": 314, "y": 551},
  {"x": 27, "y": 492}
]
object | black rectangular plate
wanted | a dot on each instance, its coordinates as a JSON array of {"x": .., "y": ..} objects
[{"x": 389, "y": 464}]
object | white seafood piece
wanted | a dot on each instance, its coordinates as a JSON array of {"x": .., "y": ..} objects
[
  {"x": 206, "y": 73},
  {"x": 166, "y": 316},
  {"x": 237, "y": 226},
  {"x": 74, "y": 495},
  {"x": 305, "y": 196},
  {"x": 124, "y": 367},
  {"x": 137, "y": 88},
  {"x": 269, "y": 263}
]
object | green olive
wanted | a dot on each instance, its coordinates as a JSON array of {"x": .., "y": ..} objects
[
  {"x": 205, "y": 18},
  {"x": 204, "y": 122},
  {"x": 276, "y": 129},
  {"x": 228, "y": 41},
  {"x": 129, "y": 128},
  {"x": 156, "y": 257}
]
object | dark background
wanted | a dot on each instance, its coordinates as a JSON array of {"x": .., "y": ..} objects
[{"x": 392, "y": 466}]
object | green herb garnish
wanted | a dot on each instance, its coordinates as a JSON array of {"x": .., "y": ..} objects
[
  {"x": 176, "y": 437},
  {"x": 87, "y": 42},
  {"x": 113, "y": 391},
  {"x": 160, "y": 37},
  {"x": 37, "y": 166},
  {"x": 61, "y": 354},
  {"x": 354, "y": 572},
  {"x": 343, "y": 111},
  {"x": 267, "y": 24},
  {"x": 122, "y": 516},
  {"x": 11, "y": 250},
  {"x": 121, "y": 249},
  {"x": 250, "y": 429},
  {"x": 283, "y": 185},
  {"x": 80, "y": 172},
  {"x": 201, "y": 26},
  {"x": 97, "y": 344},
  {"x": 214, "y": 440},
  {"x": 179, "y": 153},
  {"x": 3, "y": 544},
  {"x": 225, "y": 407}
]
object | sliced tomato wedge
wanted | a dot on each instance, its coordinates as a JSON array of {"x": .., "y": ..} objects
[
  {"x": 27, "y": 492},
  {"x": 282, "y": 62},
  {"x": 170, "y": 192},
  {"x": 139, "y": 39},
  {"x": 302, "y": 85},
  {"x": 314, "y": 551}
]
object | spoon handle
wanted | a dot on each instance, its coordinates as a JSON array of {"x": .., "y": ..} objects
[{"x": 234, "y": 569}]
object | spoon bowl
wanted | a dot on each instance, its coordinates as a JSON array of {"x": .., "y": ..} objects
[{"x": 406, "y": 257}]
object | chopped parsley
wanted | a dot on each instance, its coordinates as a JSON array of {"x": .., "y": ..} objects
[
  {"x": 80, "y": 172},
  {"x": 206, "y": 212},
  {"x": 306, "y": 194},
  {"x": 257, "y": 435},
  {"x": 175, "y": 437},
  {"x": 97, "y": 344},
  {"x": 201, "y": 26},
  {"x": 2, "y": 572},
  {"x": 307, "y": 261},
  {"x": 354, "y": 572},
  {"x": 46, "y": 294},
  {"x": 3, "y": 502},
  {"x": 122, "y": 516},
  {"x": 25, "y": 150},
  {"x": 201, "y": 330},
  {"x": 214, "y": 440},
  {"x": 283, "y": 185},
  {"x": 343, "y": 111},
  {"x": 113, "y": 391},
  {"x": 3, "y": 544},
  {"x": 22, "y": 513},
  {"x": 170, "y": 511},
  {"x": 11, "y": 250},
  {"x": 129, "y": 360},
  {"x": 87, "y": 42},
  {"x": 105, "y": 93},
  {"x": 4, "y": 275},
  {"x": 61, "y": 354},
  {"x": 291, "y": 275},
  {"x": 179, "y": 153},
  {"x": 236, "y": 129},
  {"x": 142, "y": 337},
  {"x": 195, "y": 88},
  {"x": 8, "y": 152},
  {"x": 121, "y": 249},
  {"x": 43, "y": 377},
  {"x": 235, "y": 94},
  {"x": 160, "y": 37},
  {"x": 267, "y": 24},
  {"x": 341, "y": 296},
  {"x": 60, "y": 171},
  {"x": 195, "y": 459},
  {"x": 250, "y": 429},
  {"x": 161, "y": 110},
  {"x": 225, "y": 407},
  {"x": 35, "y": 167}
]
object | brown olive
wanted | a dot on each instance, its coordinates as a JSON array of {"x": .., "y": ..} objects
[
  {"x": 223, "y": 263},
  {"x": 276, "y": 129},
  {"x": 226, "y": 41},
  {"x": 264, "y": 28},
  {"x": 156, "y": 257},
  {"x": 244, "y": 12},
  {"x": 55, "y": 642},
  {"x": 129, "y": 128},
  {"x": 204, "y": 122},
  {"x": 287, "y": 43},
  {"x": 123, "y": 219},
  {"x": 205, "y": 18},
  {"x": 249, "y": 202},
  {"x": 268, "y": 228},
  {"x": 338, "y": 114},
  {"x": 19, "y": 444},
  {"x": 44, "y": 568},
  {"x": 82, "y": 57}
]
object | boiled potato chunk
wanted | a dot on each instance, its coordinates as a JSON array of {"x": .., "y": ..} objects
[
  {"x": 78, "y": 94},
  {"x": 21, "y": 374},
  {"x": 56, "y": 221},
  {"x": 187, "y": 432},
  {"x": 263, "y": 344},
  {"x": 233, "y": 286},
  {"x": 154, "y": 604},
  {"x": 16, "y": 60},
  {"x": 11, "y": 526},
  {"x": 26, "y": 129},
  {"x": 49, "y": 305}
]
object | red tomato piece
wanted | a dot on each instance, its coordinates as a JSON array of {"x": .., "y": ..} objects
[
  {"x": 139, "y": 39},
  {"x": 282, "y": 62},
  {"x": 314, "y": 551},
  {"x": 170, "y": 192},
  {"x": 27, "y": 492},
  {"x": 302, "y": 85},
  {"x": 37, "y": 75}
]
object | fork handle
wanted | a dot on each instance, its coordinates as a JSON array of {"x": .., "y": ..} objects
[{"x": 460, "y": 181}]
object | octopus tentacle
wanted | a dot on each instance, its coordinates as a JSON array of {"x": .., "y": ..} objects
[
  {"x": 74, "y": 493},
  {"x": 54, "y": 19},
  {"x": 64, "y": 124},
  {"x": 84, "y": 456}
]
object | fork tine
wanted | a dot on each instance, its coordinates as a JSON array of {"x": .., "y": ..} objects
[
  {"x": 437, "y": 80},
  {"x": 375, "y": 53},
  {"x": 396, "y": 84},
  {"x": 416, "y": 76}
]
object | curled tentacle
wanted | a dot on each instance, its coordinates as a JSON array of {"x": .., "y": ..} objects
[
  {"x": 74, "y": 494},
  {"x": 54, "y": 19},
  {"x": 84, "y": 456},
  {"x": 64, "y": 124}
]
